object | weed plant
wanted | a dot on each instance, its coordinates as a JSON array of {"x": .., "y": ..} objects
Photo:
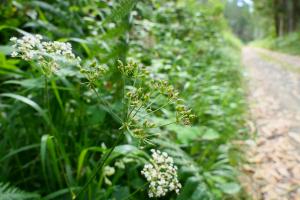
[{"x": 89, "y": 87}]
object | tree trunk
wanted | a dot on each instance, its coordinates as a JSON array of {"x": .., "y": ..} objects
[
  {"x": 296, "y": 14},
  {"x": 290, "y": 14},
  {"x": 276, "y": 16},
  {"x": 281, "y": 25}
]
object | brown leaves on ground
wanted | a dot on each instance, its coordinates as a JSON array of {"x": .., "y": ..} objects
[{"x": 273, "y": 157}]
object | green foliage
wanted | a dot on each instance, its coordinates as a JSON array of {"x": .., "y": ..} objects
[
  {"x": 287, "y": 44},
  {"x": 84, "y": 130},
  {"x": 264, "y": 18},
  {"x": 206, "y": 72},
  {"x": 8, "y": 192},
  {"x": 276, "y": 18}
]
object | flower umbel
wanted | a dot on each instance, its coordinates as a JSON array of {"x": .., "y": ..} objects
[
  {"x": 93, "y": 72},
  {"x": 47, "y": 54},
  {"x": 27, "y": 47},
  {"x": 145, "y": 97},
  {"x": 161, "y": 173}
]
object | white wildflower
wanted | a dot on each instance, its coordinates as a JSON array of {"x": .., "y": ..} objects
[
  {"x": 108, "y": 171},
  {"x": 14, "y": 54},
  {"x": 120, "y": 164},
  {"x": 47, "y": 54},
  {"x": 13, "y": 39},
  {"x": 111, "y": 25},
  {"x": 161, "y": 174},
  {"x": 59, "y": 49}
]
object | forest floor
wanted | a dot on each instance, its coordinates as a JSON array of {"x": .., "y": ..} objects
[{"x": 273, "y": 167}]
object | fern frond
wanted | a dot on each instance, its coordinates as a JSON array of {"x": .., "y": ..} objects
[
  {"x": 8, "y": 192},
  {"x": 122, "y": 9}
]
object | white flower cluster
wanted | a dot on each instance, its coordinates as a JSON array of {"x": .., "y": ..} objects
[
  {"x": 31, "y": 47},
  {"x": 59, "y": 49},
  {"x": 161, "y": 174},
  {"x": 27, "y": 47},
  {"x": 108, "y": 171}
]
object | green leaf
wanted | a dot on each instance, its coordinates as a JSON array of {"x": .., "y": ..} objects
[
  {"x": 202, "y": 193},
  {"x": 230, "y": 188},
  {"x": 188, "y": 189},
  {"x": 82, "y": 157},
  {"x": 5, "y": 49},
  {"x": 16, "y": 151},
  {"x": 28, "y": 102},
  {"x": 125, "y": 149},
  {"x": 51, "y": 162},
  {"x": 63, "y": 192},
  {"x": 120, "y": 192},
  {"x": 13, "y": 28},
  {"x": 27, "y": 83},
  {"x": 57, "y": 95},
  {"x": 96, "y": 115},
  {"x": 9, "y": 64},
  {"x": 186, "y": 135},
  {"x": 210, "y": 134},
  {"x": 122, "y": 9}
]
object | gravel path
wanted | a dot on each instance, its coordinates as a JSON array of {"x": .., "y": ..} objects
[{"x": 273, "y": 166}]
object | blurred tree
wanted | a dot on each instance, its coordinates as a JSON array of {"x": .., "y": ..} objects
[
  {"x": 283, "y": 15},
  {"x": 239, "y": 17}
]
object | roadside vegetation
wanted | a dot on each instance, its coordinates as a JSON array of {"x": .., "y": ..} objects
[
  {"x": 289, "y": 43},
  {"x": 119, "y": 100}
]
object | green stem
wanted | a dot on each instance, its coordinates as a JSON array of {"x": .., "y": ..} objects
[
  {"x": 47, "y": 101},
  {"x": 142, "y": 106},
  {"x": 135, "y": 191},
  {"x": 99, "y": 167},
  {"x": 107, "y": 104},
  {"x": 158, "y": 108},
  {"x": 129, "y": 102},
  {"x": 124, "y": 101},
  {"x": 101, "y": 180},
  {"x": 136, "y": 111},
  {"x": 167, "y": 124}
]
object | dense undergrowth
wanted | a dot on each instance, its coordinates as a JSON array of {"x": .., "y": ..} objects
[
  {"x": 289, "y": 43},
  {"x": 85, "y": 130}
]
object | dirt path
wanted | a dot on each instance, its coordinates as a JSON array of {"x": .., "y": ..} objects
[{"x": 274, "y": 96}]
